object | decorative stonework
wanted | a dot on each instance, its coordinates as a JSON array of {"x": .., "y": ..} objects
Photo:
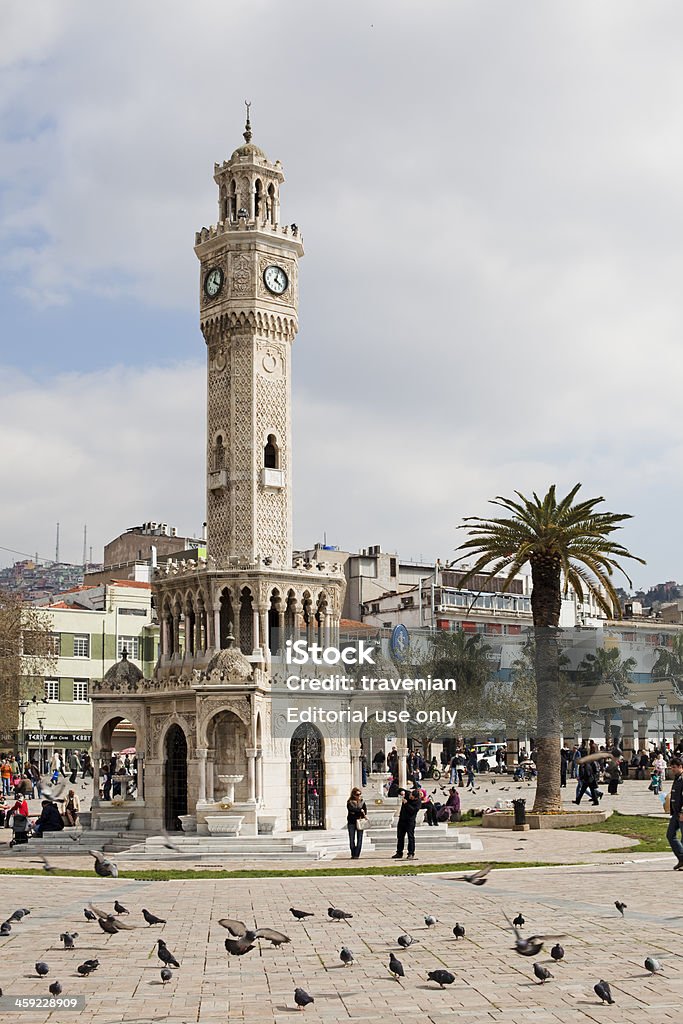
[{"x": 242, "y": 274}]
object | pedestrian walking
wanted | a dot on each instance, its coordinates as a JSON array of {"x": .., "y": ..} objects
[
  {"x": 676, "y": 811},
  {"x": 356, "y": 811},
  {"x": 588, "y": 779},
  {"x": 613, "y": 776},
  {"x": 406, "y": 824}
]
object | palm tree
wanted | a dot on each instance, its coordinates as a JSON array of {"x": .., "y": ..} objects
[{"x": 566, "y": 544}]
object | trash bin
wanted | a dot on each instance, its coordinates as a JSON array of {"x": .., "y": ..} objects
[{"x": 519, "y": 807}]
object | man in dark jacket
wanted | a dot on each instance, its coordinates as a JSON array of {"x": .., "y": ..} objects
[
  {"x": 406, "y": 824},
  {"x": 50, "y": 819},
  {"x": 588, "y": 779},
  {"x": 676, "y": 811}
]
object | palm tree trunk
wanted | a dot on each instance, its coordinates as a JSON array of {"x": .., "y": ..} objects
[{"x": 546, "y": 605}]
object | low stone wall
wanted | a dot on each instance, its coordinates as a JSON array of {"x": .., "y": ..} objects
[{"x": 504, "y": 819}]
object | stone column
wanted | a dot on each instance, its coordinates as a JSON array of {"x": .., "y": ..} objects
[
  {"x": 164, "y": 637},
  {"x": 281, "y": 631},
  {"x": 236, "y": 623},
  {"x": 643, "y": 720},
  {"x": 176, "y": 634},
  {"x": 259, "y": 775},
  {"x": 356, "y": 774},
  {"x": 263, "y": 630},
  {"x": 251, "y": 753},
  {"x": 209, "y": 775},
  {"x": 255, "y": 638},
  {"x": 201, "y": 754},
  {"x": 402, "y": 766}
]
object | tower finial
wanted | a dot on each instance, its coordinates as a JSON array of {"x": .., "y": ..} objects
[{"x": 247, "y": 127}]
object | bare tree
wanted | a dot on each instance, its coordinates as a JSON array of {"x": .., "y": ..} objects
[{"x": 26, "y": 654}]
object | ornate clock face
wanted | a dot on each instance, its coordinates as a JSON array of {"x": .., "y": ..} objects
[
  {"x": 213, "y": 282},
  {"x": 275, "y": 280}
]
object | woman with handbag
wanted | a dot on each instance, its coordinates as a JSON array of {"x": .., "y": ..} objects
[{"x": 356, "y": 821}]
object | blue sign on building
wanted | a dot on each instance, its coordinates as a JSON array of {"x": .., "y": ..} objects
[{"x": 399, "y": 644}]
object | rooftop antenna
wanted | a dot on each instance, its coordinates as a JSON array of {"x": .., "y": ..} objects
[
  {"x": 85, "y": 542},
  {"x": 247, "y": 127},
  {"x": 57, "y": 545}
]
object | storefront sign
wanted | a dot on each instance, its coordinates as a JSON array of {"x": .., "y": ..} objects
[{"x": 59, "y": 737}]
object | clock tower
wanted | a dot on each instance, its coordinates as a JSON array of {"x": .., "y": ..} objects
[{"x": 248, "y": 316}]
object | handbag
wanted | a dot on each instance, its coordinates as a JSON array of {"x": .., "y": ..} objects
[{"x": 362, "y": 824}]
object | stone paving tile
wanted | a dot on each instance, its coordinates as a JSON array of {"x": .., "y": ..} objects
[{"x": 493, "y": 983}]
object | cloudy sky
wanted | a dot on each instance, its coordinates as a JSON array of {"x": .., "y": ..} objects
[{"x": 492, "y": 203}]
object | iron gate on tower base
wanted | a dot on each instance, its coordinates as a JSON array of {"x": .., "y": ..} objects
[
  {"x": 175, "y": 778},
  {"x": 307, "y": 778}
]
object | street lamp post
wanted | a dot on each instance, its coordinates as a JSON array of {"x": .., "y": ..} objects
[
  {"x": 41, "y": 723},
  {"x": 661, "y": 700},
  {"x": 23, "y": 707}
]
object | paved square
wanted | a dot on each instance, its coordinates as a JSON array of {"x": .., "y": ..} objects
[{"x": 493, "y": 982}]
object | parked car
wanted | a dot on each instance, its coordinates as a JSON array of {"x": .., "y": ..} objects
[{"x": 486, "y": 756}]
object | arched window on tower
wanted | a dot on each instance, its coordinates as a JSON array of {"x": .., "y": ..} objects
[
  {"x": 271, "y": 453},
  {"x": 219, "y": 455},
  {"x": 224, "y": 204},
  {"x": 232, "y": 200},
  {"x": 271, "y": 203},
  {"x": 258, "y": 199}
]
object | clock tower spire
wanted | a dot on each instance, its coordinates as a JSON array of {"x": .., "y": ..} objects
[{"x": 248, "y": 316}]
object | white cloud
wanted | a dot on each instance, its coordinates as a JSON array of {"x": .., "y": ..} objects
[{"x": 490, "y": 197}]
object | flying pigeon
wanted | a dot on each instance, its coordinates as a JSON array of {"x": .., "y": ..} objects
[
  {"x": 602, "y": 990},
  {"x": 476, "y": 877},
  {"x": 542, "y": 973},
  {"x": 338, "y": 915},
  {"x": 396, "y": 967},
  {"x": 300, "y": 914},
  {"x": 151, "y": 919},
  {"x": 441, "y": 977},
  {"x": 104, "y": 867},
  {"x": 165, "y": 954},
  {"x": 302, "y": 998},
  {"x": 557, "y": 952},
  {"x": 346, "y": 956},
  {"x": 42, "y": 969},
  {"x": 459, "y": 930},
  {"x": 270, "y": 934},
  {"x": 531, "y": 946},
  {"x": 46, "y": 864}
]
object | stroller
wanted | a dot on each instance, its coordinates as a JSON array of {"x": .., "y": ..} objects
[{"x": 19, "y": 830}]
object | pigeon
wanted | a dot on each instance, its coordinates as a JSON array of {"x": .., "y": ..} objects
[
  {"x": 405, "y": 940},
  {"x": 519, "y": 921},
  {"x": 300, "y": 914},
  {"x": 166, "y": 974},
  {"x": 542, "y": 973},
  {"x": 165, "y": 954},
  {"x": 42, "y": 969},
  {"x": 531, "y": 946},
  {"x": 103, "y": 867},
  {"x": 396, "y": 967},
  {"x": 476, "y": 877},
  {"x": 346, "y": 956},
  {"x": 119, "y": 908},
  {"x": 302, "y": 998},
  {"x": 652, "y": 965},
  {"x": 337, "y": 915},
  {"x": 270, "y": 934},
  {"x": 430, "y": 920},
  {"x": 5, "y": 928},
  {"x": 621, "y": 907},
  {"x": 18, "y": 915},
  {"x": 46, "y": 864},
  {"x": 441, "y": 977},
  {"x": 55, "y": 989},
  {"x": 236, "y": 928},
  {"x": 89, "y": 916},
  {"x": 459, "y": 930},
  {"x": 151, "y": 919},
  {"x": 238, "y": 947},
  {"x": 111, "y": 925},
  {"x": 87, "y": 967},
  {"x": 68, "y": 939},
  {"x": 557, "y": 952},
  {"x": 602, "y": 990}
]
